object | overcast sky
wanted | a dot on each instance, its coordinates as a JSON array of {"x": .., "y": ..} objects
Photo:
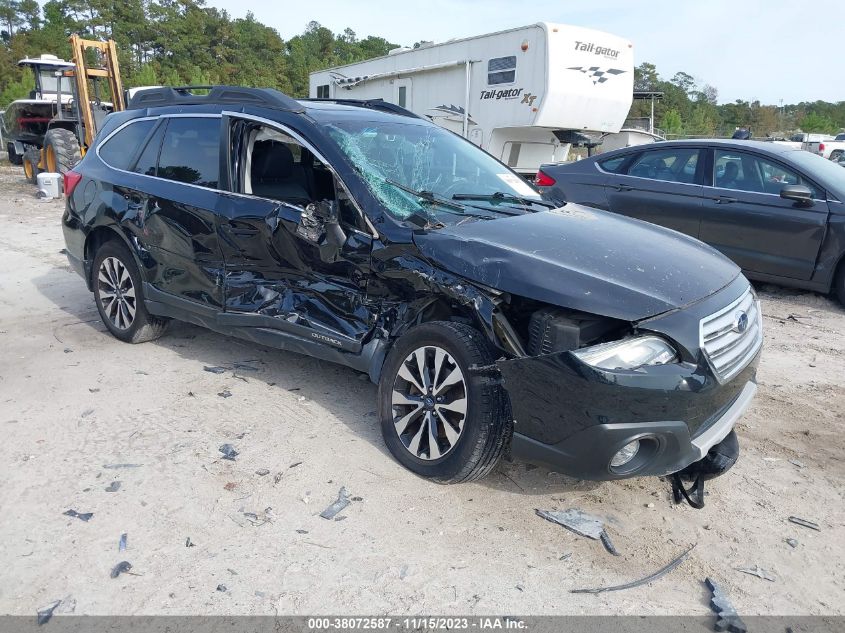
[{"x": 748, "y": 49}]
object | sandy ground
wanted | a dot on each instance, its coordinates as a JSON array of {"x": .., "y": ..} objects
[{"x": 74, "y": 401}]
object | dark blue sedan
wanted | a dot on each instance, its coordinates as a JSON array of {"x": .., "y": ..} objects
[{"x": 776, "y": 211}]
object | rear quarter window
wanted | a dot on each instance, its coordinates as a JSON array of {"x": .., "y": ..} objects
[
  {"x": 119, "y": 149},
  {"x": 613, "y": 165}
]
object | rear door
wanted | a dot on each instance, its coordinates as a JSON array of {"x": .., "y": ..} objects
[
  {"x": 661, "y": 186},
  {"x": 283, "y": 269},
  {"x": 178, "y": 219},
  {"x": 745, "y": 217}
]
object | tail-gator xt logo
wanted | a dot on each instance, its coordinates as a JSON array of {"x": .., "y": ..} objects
[{"x": 529, "y": 99}]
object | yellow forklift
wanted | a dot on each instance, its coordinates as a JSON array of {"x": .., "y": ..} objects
[{"x": 73, "y": 128}]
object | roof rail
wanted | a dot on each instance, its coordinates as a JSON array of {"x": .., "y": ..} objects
[
  {"x": 375, "y": 104},
  {"x": 182, "y": 95}
]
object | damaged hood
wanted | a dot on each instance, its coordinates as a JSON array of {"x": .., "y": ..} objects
[{"x": 582, "y": 259}]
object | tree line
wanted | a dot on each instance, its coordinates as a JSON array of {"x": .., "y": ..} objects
[
  {"x": 179, "y": 42},
  {"x": 688, "y": 108},
  {"x": 174, "y": 42}
]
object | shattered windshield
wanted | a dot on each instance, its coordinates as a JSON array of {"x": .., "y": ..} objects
[{"x": 401, "y": 160}]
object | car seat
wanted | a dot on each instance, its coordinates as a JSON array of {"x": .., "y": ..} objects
[{"x": 274, "y": 174}]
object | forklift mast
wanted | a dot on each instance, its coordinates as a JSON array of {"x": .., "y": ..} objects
[{"x": 82, "y": 73}]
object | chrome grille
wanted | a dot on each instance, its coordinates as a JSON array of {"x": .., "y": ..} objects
[{"x": 728, "y": 346}]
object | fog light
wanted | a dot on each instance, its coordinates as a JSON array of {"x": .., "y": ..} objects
[{"x": 625, "y": 454}]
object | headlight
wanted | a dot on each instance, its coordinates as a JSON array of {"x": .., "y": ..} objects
[{"x": 628, "y": 354}]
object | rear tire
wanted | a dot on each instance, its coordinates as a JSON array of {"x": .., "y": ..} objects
[
  {"x": 440, "y": 417},
  {"x": 30, "y": 160},
  {"x": 61, "y": 150},
  {"x": 119, "y": 296},
  {"x": 14, "y": 157}
]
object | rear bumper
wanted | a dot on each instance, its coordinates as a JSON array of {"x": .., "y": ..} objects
[{"x": 666, "y": 446}]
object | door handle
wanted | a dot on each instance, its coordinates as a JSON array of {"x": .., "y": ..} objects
[
  {"x": 623, "y": 187},
  {"x": 724, "y": 200},
  {"x": 244, "y": 232}
]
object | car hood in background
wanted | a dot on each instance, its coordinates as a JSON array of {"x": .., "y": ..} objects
[{"x": 582, "y": 259}]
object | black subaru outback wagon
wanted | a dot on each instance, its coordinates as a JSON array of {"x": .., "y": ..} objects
[{"x": 359, "y": 233}]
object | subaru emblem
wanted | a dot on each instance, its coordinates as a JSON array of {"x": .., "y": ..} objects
[{"x": 741, "y": 322}]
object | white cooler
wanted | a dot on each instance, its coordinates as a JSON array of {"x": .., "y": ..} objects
[{"x": 49, "y": 185}]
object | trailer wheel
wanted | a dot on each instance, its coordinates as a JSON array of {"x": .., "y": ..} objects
[
  {"x": 61, "y": 150},
  {"x": 30, "y": 165},
  {"x": 14, "y": 157}
]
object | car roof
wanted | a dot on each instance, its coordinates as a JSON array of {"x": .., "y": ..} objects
[
  {"x": 161, "y": 100},
  {"x": 763, "y": 146}
]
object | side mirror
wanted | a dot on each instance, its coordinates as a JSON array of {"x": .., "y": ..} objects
[
  {"x": 319, "y": 223},
  {"x": 797, "y": 193}
]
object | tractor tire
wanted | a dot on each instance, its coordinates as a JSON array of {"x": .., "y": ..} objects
[
  {"x": 61, "y": 150},
  {"x": 14, "y": 157},
  {"x": 31, "y": 158}
]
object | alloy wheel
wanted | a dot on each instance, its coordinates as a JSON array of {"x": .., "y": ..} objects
[
  {"x": 117, "y": 293},
  {"x": 429, "y": 403}
]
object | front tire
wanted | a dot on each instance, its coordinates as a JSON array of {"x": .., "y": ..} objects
[
  {"x": 119, "y": 298},
  {"x": 440, "y": 417},
  {"x": 839, "y": 283},
  {"x": 30, "y": 160}
]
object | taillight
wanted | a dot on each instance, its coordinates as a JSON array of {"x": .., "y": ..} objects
[
  {"x": 543, "y": 179},
  {"x": 71, "y": 179},
  {"x": 821, "y": 148}
]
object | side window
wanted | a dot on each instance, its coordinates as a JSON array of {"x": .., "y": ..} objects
[
  {"x": 323, "y": 91},
  {"x": 402, "y": 96},
  {"x": 191, "y": 151},
  {"x": 501, "y": 70},
  {"x": 279, "y": 167},
  {"x": 746, "y": 172},
  {"x": 613, "y": 165},
  {"x": 670, "y": 165},
  {"x": 118, "y": 151},
  {"x": 148, "y": 160}
]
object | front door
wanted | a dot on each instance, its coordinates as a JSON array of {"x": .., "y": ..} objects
[
  {"x": 286, "y": 267},
  {"x": 745, "y": 217},
  {"x": 660, "y": 186}
]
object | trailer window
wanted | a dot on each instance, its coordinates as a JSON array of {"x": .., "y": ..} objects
[
  {"x": 403, "y": 96},
  {"x": 323, "y": 91},
  {"x": 501, "y": 70}
]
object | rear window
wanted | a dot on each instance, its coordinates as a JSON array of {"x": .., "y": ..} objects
[
  {"x": 190, "y": 152},
  {"x": 118, "y": 151}
]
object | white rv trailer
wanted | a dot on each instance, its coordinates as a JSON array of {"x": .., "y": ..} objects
[{"x": 517, "y": 93}]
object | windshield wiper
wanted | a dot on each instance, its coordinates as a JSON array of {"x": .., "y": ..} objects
[
  {"x": 431, "y": 198},
  {"x": 500, "y": 196},
  {"x": 428, "y": 196}
]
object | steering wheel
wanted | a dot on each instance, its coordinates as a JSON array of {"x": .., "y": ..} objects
[{"x": 457, "y": 185}]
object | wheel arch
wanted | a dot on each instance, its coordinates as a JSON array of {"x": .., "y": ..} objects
[
  {"x": 448, "y": 298},
  {"x": 95, "y": 239}
]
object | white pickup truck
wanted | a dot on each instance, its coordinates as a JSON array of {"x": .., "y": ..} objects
[{"x": 831, "y": 149}]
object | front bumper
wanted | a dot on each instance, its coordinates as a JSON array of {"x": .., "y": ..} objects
[{"x": 666, "y": 446}]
